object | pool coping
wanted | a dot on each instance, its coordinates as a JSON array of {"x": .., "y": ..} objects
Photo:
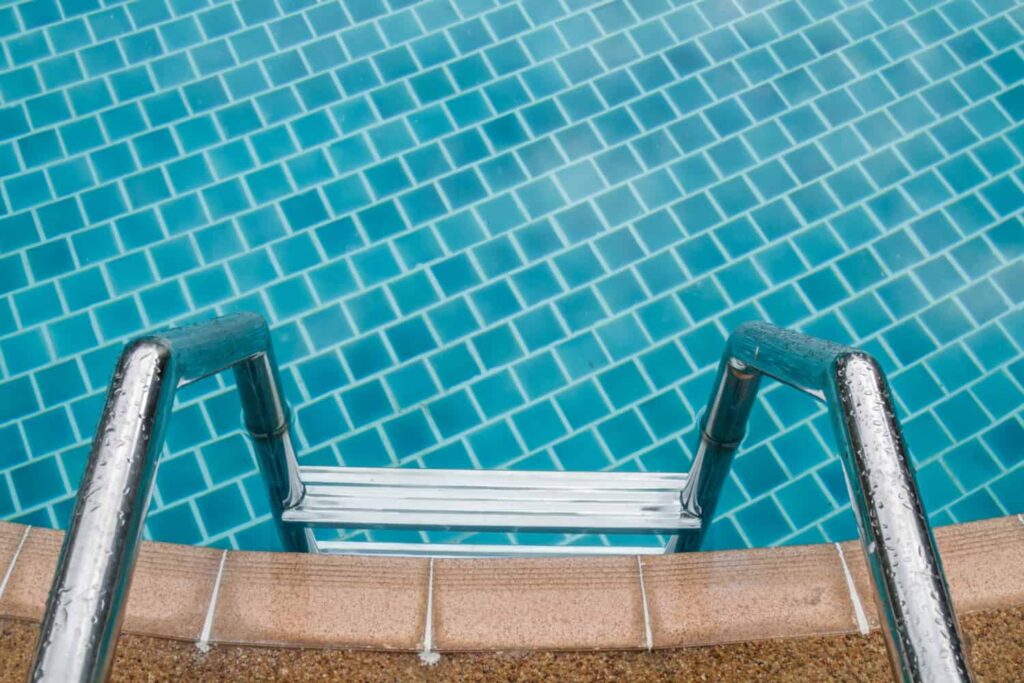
[{"x": 210, "y": 596}]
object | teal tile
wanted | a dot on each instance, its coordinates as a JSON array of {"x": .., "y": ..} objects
[{"x": 514, "y": 204}]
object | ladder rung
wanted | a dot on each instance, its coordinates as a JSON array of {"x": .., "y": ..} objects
[
  {"x": 478, "y": 550},
  {"x": 419, "y": 478},
  {"x": 374, "y": 498}
]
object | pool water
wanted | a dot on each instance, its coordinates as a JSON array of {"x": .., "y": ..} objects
[{"x": 514, "y": 235}]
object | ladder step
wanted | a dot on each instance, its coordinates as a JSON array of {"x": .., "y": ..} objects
[
  {"x": 397, "y": 476},
  {"x": 478, "y": 550},
  {"x": 575, "y": 502}
]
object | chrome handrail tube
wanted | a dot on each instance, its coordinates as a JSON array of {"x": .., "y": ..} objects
[
  {"x": 918, "y": 621},
  {"x": 85, "y": 606}
]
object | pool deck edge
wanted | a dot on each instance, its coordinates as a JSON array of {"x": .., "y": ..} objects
[{"x": 481, "y": 605}]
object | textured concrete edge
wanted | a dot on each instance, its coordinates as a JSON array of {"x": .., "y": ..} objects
[
  {"x": 376, "y": 603},
  {"x": 997, "y": 655}
]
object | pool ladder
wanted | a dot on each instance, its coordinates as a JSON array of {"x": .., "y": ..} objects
[{"x": 83, "y": 613}]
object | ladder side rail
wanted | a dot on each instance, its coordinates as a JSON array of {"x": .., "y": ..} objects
[
  {"x": 85, "y": 605},
  {"x": 922, "y": 635}
]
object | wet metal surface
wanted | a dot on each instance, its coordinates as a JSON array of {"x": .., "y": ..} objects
[
  {"x": 85, "y": 605},
  {"x": 910, "y": 588}
]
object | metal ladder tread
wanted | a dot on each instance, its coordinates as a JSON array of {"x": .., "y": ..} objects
[
  {"x": 481, "y": 500},
  {"x": 479, "y": 549},
  {"x": 82, "y": 618}
]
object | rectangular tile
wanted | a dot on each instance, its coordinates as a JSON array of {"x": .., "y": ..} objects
[
  {"x": 10, "y": 538},
  {"x": 714, "y": 597},
  {"x": 983, "y": 562},
  {"x": 170, "y": 590},
  {"x": 564, "y": 603},
  {"x": 311, "y": 600},
  {"x": 29, "y": 585}
]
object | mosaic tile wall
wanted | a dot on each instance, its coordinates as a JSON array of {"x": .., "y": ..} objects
[{"x": 514, "y": 234}]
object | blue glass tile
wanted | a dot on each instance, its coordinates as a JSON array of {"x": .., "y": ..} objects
[
  {"x": 409, "y": 434},
  {"x": 581, "y": 404},
  {"x": 539, "y": 425},
  {"x": 999, "y": 394},
  {"x": 581, "y": 453},
  {"x": 622, "y": 337},
  {"x": 49, "y": 432},
  {"x": 763, "y": 523},
  {"x": 624, "y": 434},
  {"x": 495, "y": 444},
  {"x": 1003, "y": 440},
  {"x": 37, "y": 482},
  {"x": 560, "y": 197},
  {"x": 979, "y": 504},
  {"x": 803, "y": 500},
  {"x": 411, "y": 384}
]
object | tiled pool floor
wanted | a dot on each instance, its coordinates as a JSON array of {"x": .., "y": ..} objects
[{"x": 515, "y": 235}]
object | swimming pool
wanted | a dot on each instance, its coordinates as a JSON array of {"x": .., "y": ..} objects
[{"x": 514, "y": 235}]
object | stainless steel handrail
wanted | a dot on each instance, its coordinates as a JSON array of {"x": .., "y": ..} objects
[
  {"x": 920, "y": 626},
  {"x": 84, "y": 609}
]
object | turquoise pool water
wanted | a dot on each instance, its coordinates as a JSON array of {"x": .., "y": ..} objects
[{"x": 514, "y": 234}]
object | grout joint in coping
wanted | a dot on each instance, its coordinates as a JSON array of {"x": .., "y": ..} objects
[
  {"x": 858, "y": 607},
  {"x": 203, "y": 644},
  {"x": 428, "y": 607},
  {"x": 648, "y": 635},
  {"x": 14, "y": 560},
  {"x": 429, "y": 655}
]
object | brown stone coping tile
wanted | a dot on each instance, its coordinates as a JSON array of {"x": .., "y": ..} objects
[
  {"x": 170, "y": 587},
  {"x": 29, "y": 584},
  {"x": 171, "y": 590},
  {"x": 853, "y": 553},
  {"x": 539, "y": 603},
  {"x": 514, "y": 604},
  {"x": 715, "y": 597},
  {"x": 318, "y": 600},
  {"x": 983, "y": 562},
  {"x": 10, "y": 539}
]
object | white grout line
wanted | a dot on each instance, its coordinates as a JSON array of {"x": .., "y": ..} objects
[
  {"x": 203, "y": 644},
  {"x": 14, "y": 559},
  {"x": 858, "y": 607},
  {"x": 647, "y": 613},
  {"x": 428, "y": 656}
]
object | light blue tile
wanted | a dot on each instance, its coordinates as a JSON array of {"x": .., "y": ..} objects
[{"x": 588, "y": 195}]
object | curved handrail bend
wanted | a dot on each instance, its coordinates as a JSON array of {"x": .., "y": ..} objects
[
  {"x": 84, "y": 608},
  {"x": 921, "y": 631}
]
